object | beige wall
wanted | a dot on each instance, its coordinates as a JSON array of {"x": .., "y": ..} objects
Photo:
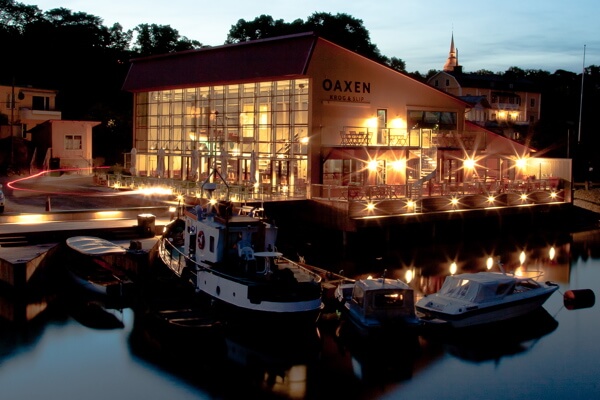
[
  {"x": 364, "y": 87},
  {"x": 72, "y": 158},
  {"x": 24, "y": 114}
]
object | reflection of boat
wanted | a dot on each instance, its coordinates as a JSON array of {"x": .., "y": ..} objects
[
  {"x": 96, "y": 315},
  {"x": 478, "y": 298},
  {"x": 495, "y": 340},
  {"x": 233, "y": 259},
  {"x": 379, "y": 304},
  {"x": 276, "y": 362},
  {"x": 93, "y": 273},
  {"x": 192, "y": 353},
  {"x": 390, "y": 357}
]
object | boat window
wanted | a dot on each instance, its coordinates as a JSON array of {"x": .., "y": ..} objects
[
  {"x": 528, "y": 284},
  {"x": 211, "y": 244},
  {"x": 358, "y": 295},
  {"x": 455, "y": 287},
  {"x": 388, "y": 300},
  {"x": 503, "y": 288}
]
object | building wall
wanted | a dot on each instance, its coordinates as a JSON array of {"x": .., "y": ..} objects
[
  {"x": 348, "y": 90},
  {"x": 69, "y": 142},
  {"x": 32, "y": 106},
  {"x": 299, "y": 127}
]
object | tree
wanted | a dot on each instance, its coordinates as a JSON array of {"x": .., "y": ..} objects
[
  {"x": 397, "y": 64},
  {"x": 262, "y": 27},
  {"x": 160, "y": 39},
  {"x": 341, "y": 29}
]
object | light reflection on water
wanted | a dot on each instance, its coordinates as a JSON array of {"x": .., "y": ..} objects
[{"x": 552, "y": 354}]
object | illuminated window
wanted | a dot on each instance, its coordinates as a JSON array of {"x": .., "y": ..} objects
[{"x": 72, "y": 142}]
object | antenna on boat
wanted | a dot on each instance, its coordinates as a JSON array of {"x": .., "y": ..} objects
[
  {"x": 383, "y": 277},
  {"x": 501, "y": 266}
]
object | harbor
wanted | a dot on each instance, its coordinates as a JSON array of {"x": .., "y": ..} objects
[
  {"x": 162, "y": 329},
  {"x": 143, "y": 358}
]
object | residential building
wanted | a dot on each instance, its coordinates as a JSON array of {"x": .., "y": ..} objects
[
  {"x": 63, "y": 144},
  {"x": 505, "y": 104},
  {"x": 25, "y": 107}
]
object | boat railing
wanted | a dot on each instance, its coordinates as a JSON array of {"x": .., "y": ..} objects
[
  {"x": 294, "y": 265},
  {"x": 174, "y": 257}
]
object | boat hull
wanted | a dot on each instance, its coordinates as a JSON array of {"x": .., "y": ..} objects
[
  {"x": 488, "y": 314},
  {"x": 241, "y": 299},
  {"x": 94, "y": 276}
]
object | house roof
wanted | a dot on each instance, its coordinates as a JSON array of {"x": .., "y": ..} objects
[
  {"x": 49, "y": 123},
  {"x": 474, "y": 100},
  {"x": 494, "y": 82},
  {"x": 284, "y": 56}
]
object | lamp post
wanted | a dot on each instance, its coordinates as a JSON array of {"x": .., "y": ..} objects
[{"x": 12, "y": 122}]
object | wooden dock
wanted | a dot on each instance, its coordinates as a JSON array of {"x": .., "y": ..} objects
[{"x": 26, "y": 247}]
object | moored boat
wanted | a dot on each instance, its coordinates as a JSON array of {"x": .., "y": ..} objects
[
  {"x": 472, "y": 299},
  {"x": 377, "y": 305},
  {"x": 93, "y": 273},
  {"x": 233, "y": 260}
]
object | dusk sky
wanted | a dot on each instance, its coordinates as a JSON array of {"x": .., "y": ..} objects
[{"x": 529, "y": 34}]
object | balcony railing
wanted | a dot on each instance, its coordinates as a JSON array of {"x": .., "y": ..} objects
[
  {"x": 354, "y": 136},
  {"x": 39, "y": 115}
]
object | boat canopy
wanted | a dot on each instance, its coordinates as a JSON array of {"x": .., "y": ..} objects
[{"x": 478, "y": 288}]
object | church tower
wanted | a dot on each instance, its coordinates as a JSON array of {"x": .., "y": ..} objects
[{"x": 452, "y": 60}]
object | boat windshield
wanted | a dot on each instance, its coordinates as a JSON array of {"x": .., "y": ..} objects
[{"x": 459, "y": 288}]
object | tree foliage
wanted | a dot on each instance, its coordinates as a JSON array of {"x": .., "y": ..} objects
[
  {"x": 341, "y": 29},
  {"x": 160, "y": 39}
]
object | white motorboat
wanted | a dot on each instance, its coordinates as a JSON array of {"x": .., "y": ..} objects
[
  {"x": 478, "y": 298},
  {"x": 379, "y": 304},
  {"x": 233, "y": 260},
  {"x": 90, "y": 266}
]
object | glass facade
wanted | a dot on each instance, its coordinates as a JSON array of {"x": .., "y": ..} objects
[{"x": 229, "y": 126}]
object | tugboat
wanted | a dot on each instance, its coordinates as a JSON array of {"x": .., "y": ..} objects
[{"x": 233, "y": 260}]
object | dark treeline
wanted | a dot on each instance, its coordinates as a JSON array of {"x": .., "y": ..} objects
[{"x": 86, "y": 61}]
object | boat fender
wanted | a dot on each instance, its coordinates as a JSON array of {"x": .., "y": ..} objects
[
  {"x": 201, "y": 240},
  {"x": 581, "y": 298}
]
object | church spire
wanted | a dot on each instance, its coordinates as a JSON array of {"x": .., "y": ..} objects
[{"x": 452, "y": 60}]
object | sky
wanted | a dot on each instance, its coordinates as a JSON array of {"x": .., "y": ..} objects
[{"x": 491, "y": 35}]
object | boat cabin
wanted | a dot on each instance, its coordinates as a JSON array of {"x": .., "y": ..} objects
[
  {"x": 383, "y": 299},
  {"x": 213, "y": 238}
]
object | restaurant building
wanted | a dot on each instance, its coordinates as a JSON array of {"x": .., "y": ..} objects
[{"x": 301, "y": 116}]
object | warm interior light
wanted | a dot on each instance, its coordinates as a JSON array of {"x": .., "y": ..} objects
[
  {"x": 522, "y": 162},
  {"x": 370, "y": 206},
  {"x": 522, "y": 257},
  {"x": 553, "y": 195},
  {"x": 373, "y": 165},
  {"x": 397, "y": 165},
  {"x": 523, "y": 196},
  {"x": 489, "y": 263},
  {"x": 454, "y": 201},
  {"x": 491, "y": 199},
  {"x": 304, "y": 140},
  {"x": 410, "y": 204}
]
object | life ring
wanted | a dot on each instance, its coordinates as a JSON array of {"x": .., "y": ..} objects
[{"x": 201, "y": 240}]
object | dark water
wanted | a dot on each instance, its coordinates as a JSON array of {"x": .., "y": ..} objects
[{"x": 64, "y": 354}]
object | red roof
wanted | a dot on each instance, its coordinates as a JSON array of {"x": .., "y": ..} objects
[{"x": 280, "y": 57}]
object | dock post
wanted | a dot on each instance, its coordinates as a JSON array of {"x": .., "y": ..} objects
[{"x": 48, "y": 205}]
